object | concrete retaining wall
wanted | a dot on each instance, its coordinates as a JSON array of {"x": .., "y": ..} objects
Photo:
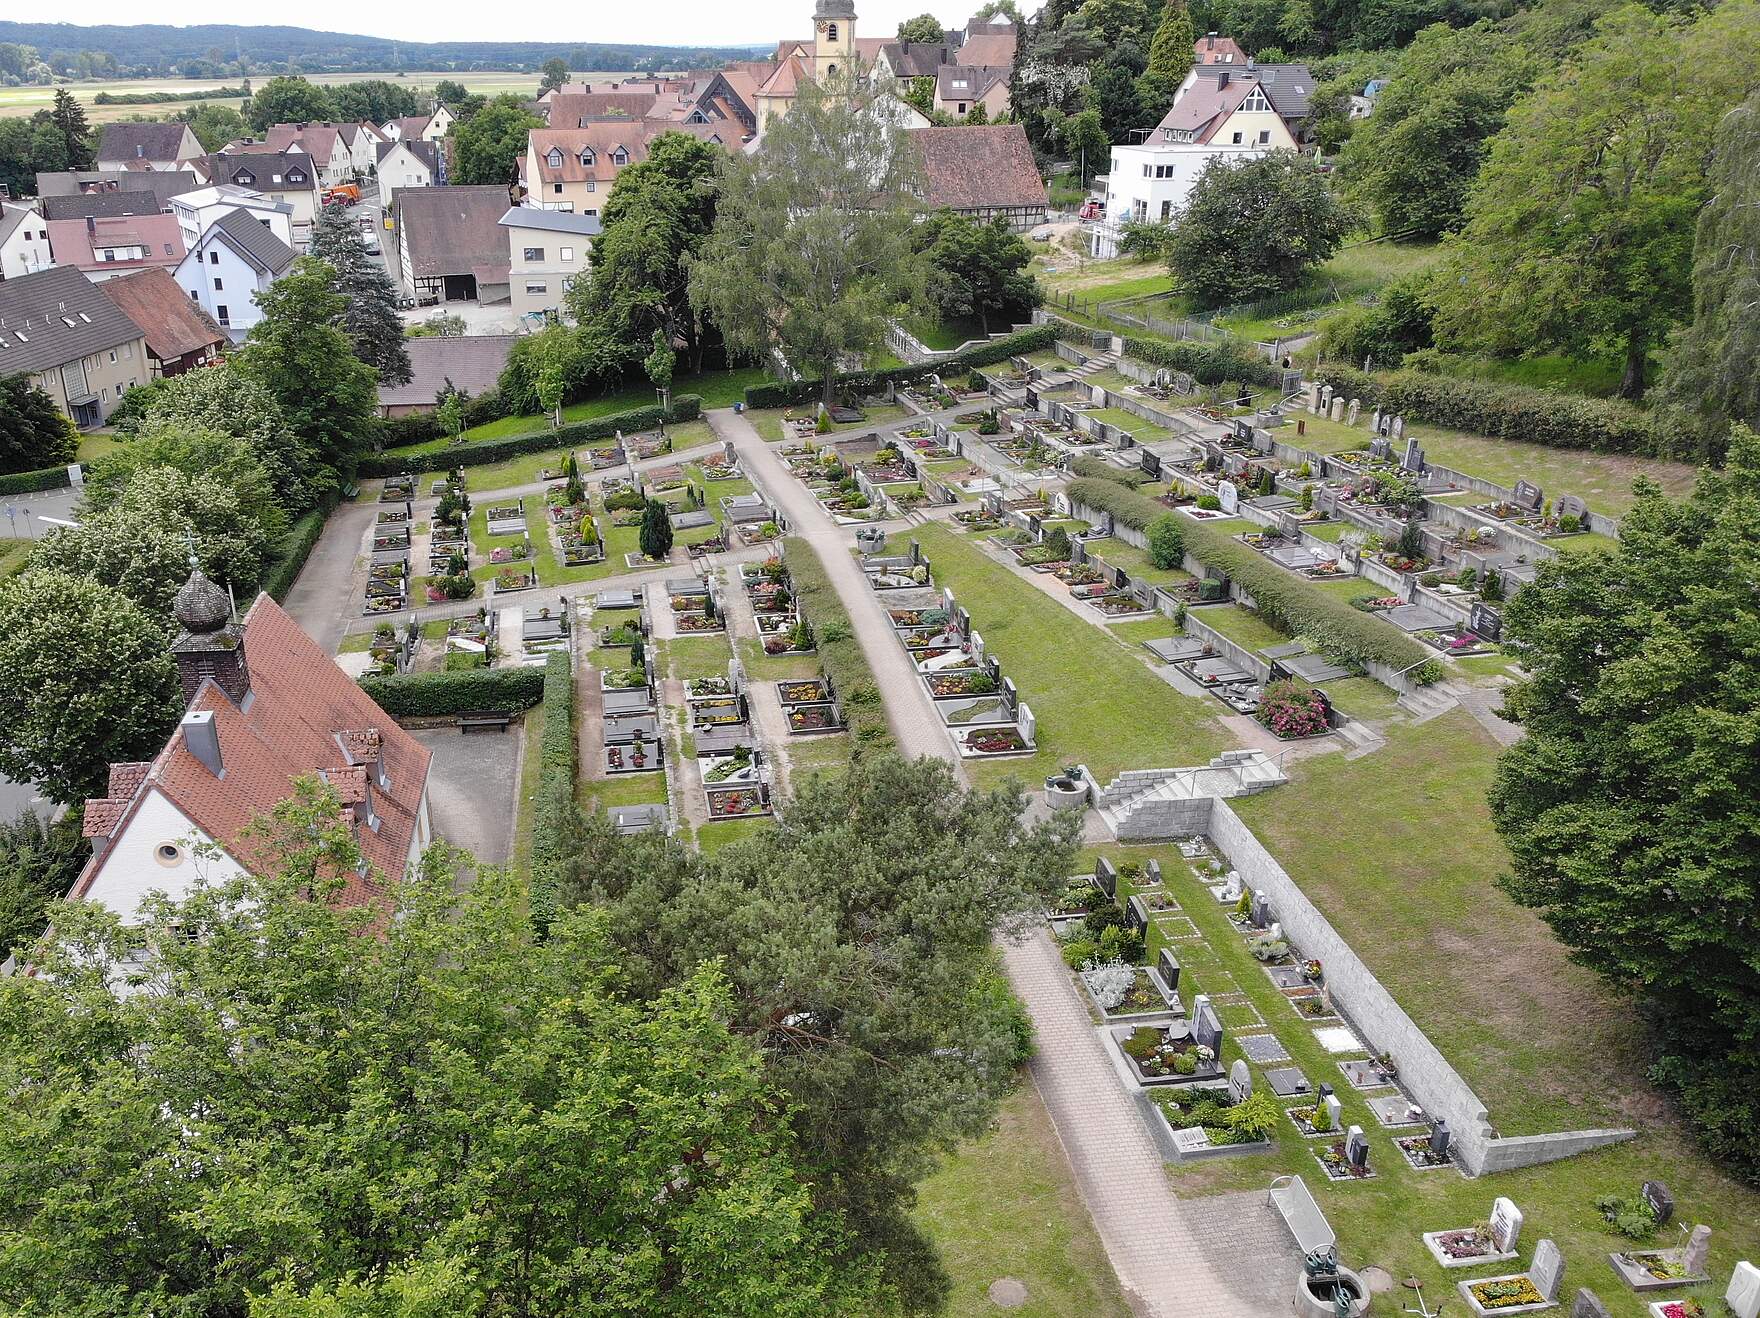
[
  {"x": 1383, "y": 1025},
  {"x": 1150, "y": 821}
]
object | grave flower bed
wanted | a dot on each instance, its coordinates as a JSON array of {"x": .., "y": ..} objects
[
  {"x": 1688, "y": 1308},
  {"x": 1466, "y": 1244},
  {"x": 1078, "y": 898},
  {"x": 1452, "y": 642},
  {"x": 730, "y": 804},
  {"x": 736, "y": 764},
  {"x": 1416, "y": 1149},
  {"x": 1158, "y": 1053},
  {"x": 622, "y": 679},
  {"x": 699, "y": 622},
  {"x": 813, "y": 718},
  {"x": 515, "y": 581},
  {"x": 797, "y": 693},
  {"x": 1302, "y": 1118},
  {"x": 969, "y": 682},
  {"x": 1292, "y": 712},
  {"x": 1115, "y": 606},
  {"x": 1121, "y": 990},
  {"x": 995, "y": 741},
  {"x": 1337, "y": 1167},
  {"x": 1156, "y": 900},
  {"x": 1507, "y": 1294},
  {"x": 1660, "y": 1266},
  {"x": 702, "y": 687}
]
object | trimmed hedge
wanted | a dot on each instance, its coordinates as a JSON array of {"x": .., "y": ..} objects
[
  {"x": 421, "y": 427},
  {"x": 840, "y": 653},
  {"x": 1513, "y": 411},
  {"x": 1090, "y": 468},
  {"x": 1288, "y": 602},
  {"x": 1218, "y": 362},
  {"x": 466, "y": 691},
  {"x": 859, "y": 383},
  {"x": 295, "y": 547},
  {"x": 686, "y": 407},
  {"x": 34, "y": 482},
  {"x": 555, "y": 809}
]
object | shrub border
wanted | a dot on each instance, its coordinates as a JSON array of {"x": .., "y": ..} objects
[
  {"x": 465, "y": 691},
  {"x": 840, "y": 656},
  {"x": 686, "y": 407},
  {"x": 784, "y": 393}
]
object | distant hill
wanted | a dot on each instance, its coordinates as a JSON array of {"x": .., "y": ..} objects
[{"x": 158, "y": 49}]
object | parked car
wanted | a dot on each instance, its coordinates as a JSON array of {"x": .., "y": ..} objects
[
  {"x": 1091, "y": 210},
  {"x": 347, "y": 193}
]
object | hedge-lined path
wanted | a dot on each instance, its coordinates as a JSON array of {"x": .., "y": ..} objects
[
  {"x": 763, "y": 705},
  {"x": 1216, "y": 1258}
]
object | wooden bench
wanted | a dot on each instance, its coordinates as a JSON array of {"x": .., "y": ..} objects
[
  {"x": 486, "y": 721},
  {"x": 1295, "y": 1204}
]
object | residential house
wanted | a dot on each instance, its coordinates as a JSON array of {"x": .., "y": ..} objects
[
  {"x": 163, "y": 184},
  {"x": 982, "y": 171},
  {"x": 108, "y": 246},
  {"x": 363, "y": 141},
  {"x": 24, "y": 243},
  {"x": 264, "y": 706},
  {"x": 469, "y": 363},
  {"x": 989, "y": 45},
  {"x": 414, "y": 164},
  {"x": 419, "y": 127},
  {"x": 57, "y": 327},
  {"x": 979, "y": 45},
  {"x": 180, "y": 335},
  {"x": 1214, "y": 49},
  {"x": 547, "y": 251},
  {"x": 78, "y": 205},
  {"x": 282, "y": 176},
  {"x": 914, "y": 59},
  {"x": 143, "y": 147},
  {"x": 961, "y": 88},
  {"x": 321, "y": 141},
  {"x": 1222, "y": 113},
  {"x": 237, "y": 257},
  {"x": 197, "y": 212},
  {"x": 450, "y": 244},
  {"x": 572, "y": 169}
]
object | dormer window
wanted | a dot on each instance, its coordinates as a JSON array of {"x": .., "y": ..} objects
[
  {"x": 587, "y": 157},
  {"x": 296, "y": 176},
  {"x": 553, "y": 158},
  {"x": 244, "y": 179},
  {"x": 620, "y": 157}
]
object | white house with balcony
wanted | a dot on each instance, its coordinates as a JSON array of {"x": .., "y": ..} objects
[{"x": 1221, "y": 113}]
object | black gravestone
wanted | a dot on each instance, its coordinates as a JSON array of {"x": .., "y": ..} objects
[
  {"x": 1485, "y": 621},
  {"x": 1527, "y": 495},
  {"x": 1660, "y": 1200},
  {"x": 1151, "y": 465},
  {"x": 1152, "y": 872},
  {"x": 1588, "y": 1305},
  {"x": 1168, "y": 965},
  {"x": 1106, "y": 877},
  {"x": 1440, "y": 1138},
  {"x": 1136, "y": 915},
  {"x": 1356, "y": 1148},
  {"x": 1207, "y": 1026}
]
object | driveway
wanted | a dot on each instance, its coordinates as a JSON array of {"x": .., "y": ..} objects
[{"x": 472, "y": 788}]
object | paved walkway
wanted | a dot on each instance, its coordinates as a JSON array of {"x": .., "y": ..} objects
[{"x": 1222, "y": 1257}]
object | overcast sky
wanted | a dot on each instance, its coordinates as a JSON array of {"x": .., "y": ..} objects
[{"x": 660, "y": 22}]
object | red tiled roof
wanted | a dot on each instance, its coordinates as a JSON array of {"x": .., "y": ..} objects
[
  {"x": 288, "y": 727},
  {"x": 173, "y": 324},
  {"x": 75, "y": 243},
  {"x": 1218, "y": 50},
  {"x": 126, "y": 776},
  {"x": 978, "y": 167},
  {"x": 361, "y": 745},
  {"x": 101, "y": 817}
]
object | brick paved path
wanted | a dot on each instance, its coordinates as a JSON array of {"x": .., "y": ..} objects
[{"x": 1227, "y": 1256}]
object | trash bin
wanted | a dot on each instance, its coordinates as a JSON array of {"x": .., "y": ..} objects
[{"x": 739, "y": 407}]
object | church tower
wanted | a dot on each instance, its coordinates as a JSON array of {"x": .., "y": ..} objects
[{"x": 834, "y": 39}]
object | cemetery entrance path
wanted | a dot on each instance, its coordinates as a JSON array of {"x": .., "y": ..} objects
[{"x": 1222, "y": 1257}]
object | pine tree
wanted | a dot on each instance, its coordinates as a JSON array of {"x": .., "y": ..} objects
[
  {"x": 656, "y": 536},
  {"x": 69, "y": 118},
  {"x": 1170, "y": 50},
  {"x": 370, "y": 319}
]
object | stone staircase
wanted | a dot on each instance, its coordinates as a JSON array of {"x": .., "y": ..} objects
[
  {"x": 1095, "y": 365},
  {"x": 1427, "y": 702},
  {"x": 1151, "y": 804},
  {"x": 1360, "y": 739}
]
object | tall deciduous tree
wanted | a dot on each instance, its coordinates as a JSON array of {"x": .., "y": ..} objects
[
  {"x": 33, "y": 433},
  {"x": 1413, "y": 160},
  {"x": 655, "y": 222},
  {"x": 85, "y": 679},
  {"x": 1579, "y": 233},
  {"x": 214, "y": 125},
  {"x": 1628, "y": 807},
  {"x": 872, "y": 989},
  {"x": 1254, "y": 227},
  {"x": 486, "y": 147},
  {"x": 369, "y": 315},
  {"x": 925, "y": 28},
  {"x": 811, "y": 251},
  {"x": 308, "y": 366},
  {"x": 554, "y": 72},
  {"x": 133, "y": 551},
  {"x": 449, "y": 1118},
  {"x": 1711, "y": 367},
  {"x": 287, "y": 101},
  {"x": 376, "y": 100},
  {"x": 977, "y": 271},
  {"x": 39, "y": 861}
]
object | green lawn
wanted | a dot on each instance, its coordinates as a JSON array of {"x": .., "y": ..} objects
[
  {"x": 716, "y": 388},
  {"x": 1094, "y": 700},
  {"x": 689, "y": 657},
  {"x": 1241, "y": 625},
  {"x": 1005, "y": 1206},
  {"x": 1117, "y": 553},
  {"x": 1145, "y": 432},
  {"x": 524, "y": 469},
  {"x": 1380, "y": 1221},
  {"x": 768, "y": 421},
  {"x": 1601, "y": 480},
  {"x": 96, "y": 445},
  {"x": 946, "y": 335},
  {"x": 598, "y": 794},
  {"x": 12, "y": 555},
  {"x": 712, "y": 837},
  {"x": 1348, "y": 276}
]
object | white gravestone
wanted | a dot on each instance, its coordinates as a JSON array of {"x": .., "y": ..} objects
[
  {"x": 1743, "y": 1295},
  {"x": 1547, "y": 1270},
  {"x": 1337, "y": 412},
  {"x": 1506, "y": 1225},
  {"x": 1229, "y": 496},
  {"x": 1313, "y": 396},
  {"x": 1353, "y": 412},
  {"x": 1240, "y": 1081},
  {"x": 1331, "y": 1107}
]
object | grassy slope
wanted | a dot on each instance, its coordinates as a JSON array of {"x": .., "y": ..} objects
[{"x": 1094, "y": 700}]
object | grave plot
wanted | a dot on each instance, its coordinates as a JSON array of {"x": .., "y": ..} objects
[
  {"x": 473, "y": 642},
  {"x": 1520, "y": 1292},
  {"x": 398, "y": 489},
  {"x": 1208, "y": 1120},
  {"x": 544, "y": 631},
  {"x": 1174, "y": 1052},
  {"x": 1493, "y": 1241},
  {"x": 387, "y": 584},
  {"x": 633, "y": 743},
  {"x": 809, "y": 705},
  {"x": 695, "y": 605}
]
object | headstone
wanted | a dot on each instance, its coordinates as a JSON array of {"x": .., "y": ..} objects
[
  {"x": 1333, "y": 1109},
  {"x": 1106, "y": 524},
  {"x": 1231, "y": 886},
  {"x": 1547, "y": 1270},
  {"x": 1660, "y": 1200},
  {"x": 1698, "y": 1252},
  {"x": 1506, "y": 1225},
  {"x": 1375, "y": 421},
  {"x": 977, "y": 649},
  {"x": 1107, "y": 877},
  {"x": 1026, "y": 724},
  {"x": 1010, "y": 696},
  {"x": 1397, "y": 430},
  {"x": 1527, "y": 495},
  {"x": 1743, "y": 1294},
  {"x": 1326, "y": 400},
  {"x": 1588, "y": 1305},
  {"x": 916, "y": 552},
  {"x": 1168, "y": 964},
  {"x": 1206, "y": 1024},
  {"x": 1413, "y": 458},
  {"x": 1314, "y": 396},
  {"x": 1569, "y": 505},
  {"x": 1229, "y": 495},
  {"x": 1240, "y": 1081},
  {"x": 1152, "y": 872},
  {"x": 1381, "y": 450},
  {"x": 1356, "y": 1147},
  {"x": 1353, "y": 412},
  {"x": 1337, "y": 412},
  {"x": 1136, "y": 915},
  {"x": 1261, "y": 909},
  {"x": 1440, "y": 1138},
  {"x": 1485, "y": 621},
  {"x": 1151, "y": 464},
  {"x": 947, "y": 599}
]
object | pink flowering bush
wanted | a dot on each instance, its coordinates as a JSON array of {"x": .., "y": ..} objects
[{"x": 1292, "y": 711}]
